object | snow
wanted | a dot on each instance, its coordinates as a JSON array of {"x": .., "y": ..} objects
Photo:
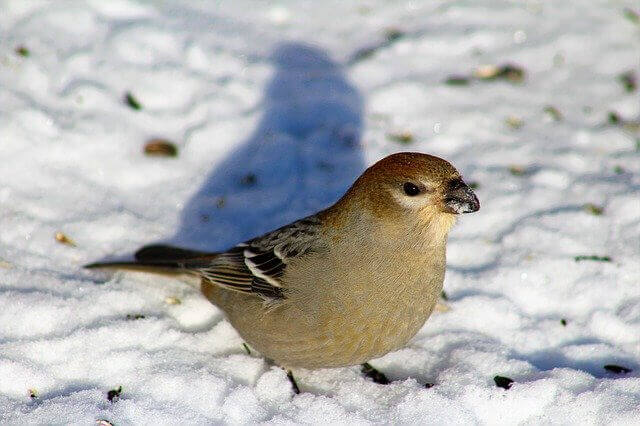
[{"x": 303, "y": 96}]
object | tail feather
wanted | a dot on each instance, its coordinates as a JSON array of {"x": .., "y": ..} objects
[
  {"x": 160, "y": 259},
  {"x": 171, "y": 269},
  {"x": 163, "y": 252}
]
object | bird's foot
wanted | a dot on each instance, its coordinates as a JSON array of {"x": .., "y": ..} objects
[
  {"x": 294, "y": 385},
  {"x": 372, "y": 373},
  {"x": 369, "y": 371}
]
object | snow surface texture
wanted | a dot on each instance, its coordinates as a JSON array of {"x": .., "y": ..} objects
[{"x": 275, "y": 109}]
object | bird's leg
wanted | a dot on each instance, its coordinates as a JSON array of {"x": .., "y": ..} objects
[
  {"x": 369, "y": 371},
  {"x": 292, "y": 380},
  {"x": 294, "y": 385}
]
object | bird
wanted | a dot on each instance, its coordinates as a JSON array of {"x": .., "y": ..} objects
[{"x": 345, "y": 285}]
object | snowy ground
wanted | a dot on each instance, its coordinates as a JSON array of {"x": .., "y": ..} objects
[{"x": 275, "y": 109}]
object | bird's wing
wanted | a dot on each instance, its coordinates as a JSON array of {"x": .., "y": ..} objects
[{"x": 257, "y": 266}]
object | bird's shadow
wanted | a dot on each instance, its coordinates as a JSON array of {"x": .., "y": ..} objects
[{"x": 302, "y": 156}]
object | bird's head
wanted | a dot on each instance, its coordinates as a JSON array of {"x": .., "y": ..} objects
[{"x": 411, "y": 185}]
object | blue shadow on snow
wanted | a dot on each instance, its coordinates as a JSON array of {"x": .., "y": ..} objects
[{"x": 302, "y": 156}]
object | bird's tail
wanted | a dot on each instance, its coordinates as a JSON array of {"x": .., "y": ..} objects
[{"x": 161, "y": 259}]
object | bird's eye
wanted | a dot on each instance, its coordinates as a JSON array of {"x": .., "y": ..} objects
[{"x": 411, "y": 189}]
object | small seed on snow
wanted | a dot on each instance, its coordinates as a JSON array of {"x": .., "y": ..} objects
[
  {"x": 114, "y": 394},
  {"x": 158, "y": 147},
  {"x": 62, "y": 238},
  {"x": 514, "y": 122},
  {"x": 171, "y": 300},
  {"x": 503, "y": 382},
  {"x": 402, "y": 137}
]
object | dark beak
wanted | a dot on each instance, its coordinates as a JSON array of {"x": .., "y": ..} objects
[{"x": 459, "y": 198}]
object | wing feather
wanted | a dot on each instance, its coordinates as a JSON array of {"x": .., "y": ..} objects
[{"x": 257, "y": 266}]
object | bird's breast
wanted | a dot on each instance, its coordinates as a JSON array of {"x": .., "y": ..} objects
[{"x": 368, "y": 308}]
